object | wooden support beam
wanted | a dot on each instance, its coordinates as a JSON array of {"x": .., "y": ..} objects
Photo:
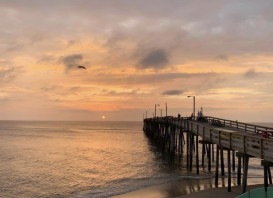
[
  {"x": 229, "y": 171},
  {"x": 188, "y": 150},
  {"x": 217, "y": 166},
  {"x": 267, "y": 172},
  {"x": 191, "y": 150},
  {"x": 240, "y": 154},
  {"x": 197, "y": 154},
  {"x": 183, "y": 138},
  {"x": 176, "y": 139},
  {"x": 233, "y": 160},
  {"x": 203, "y": 155},
  {"x": 207, "y": 150},
  {"x": 204, "y": 142},
  {"x": 222, "y": 162},
  {"x": 209, "y": 158},
  {"x": 212, "y": 152},
  {"x": 180, "y": 142},
  {"x": 269, "y": 175},
  {"x": 246, "y": 160},
  {"x": 239, "y": 171},
  {"x": 265, "y": 177},
  {"x": 266, "y": 163},
  {"x": 193, "y": 143}
]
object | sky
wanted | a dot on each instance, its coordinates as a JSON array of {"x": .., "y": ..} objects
[{"x": 138, "y": 53}]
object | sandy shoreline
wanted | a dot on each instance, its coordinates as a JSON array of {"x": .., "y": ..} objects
[{"x": 191, "y": 188}]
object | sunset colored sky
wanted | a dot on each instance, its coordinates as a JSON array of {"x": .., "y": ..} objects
[{"x": 137, "y": 53}]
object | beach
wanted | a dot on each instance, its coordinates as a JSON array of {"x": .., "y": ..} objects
[{"x": 191, "y": 188}]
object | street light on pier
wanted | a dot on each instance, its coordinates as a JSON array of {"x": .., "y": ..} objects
[
  {"x": 193, "y": 105},
  {"x": 155, "y": 108}
]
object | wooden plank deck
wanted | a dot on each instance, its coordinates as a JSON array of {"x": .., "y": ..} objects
[{"x": 241, "y": 137}]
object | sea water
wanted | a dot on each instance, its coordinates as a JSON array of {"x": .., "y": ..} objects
[{"x": 85, "y": 159}]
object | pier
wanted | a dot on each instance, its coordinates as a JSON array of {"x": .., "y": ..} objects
[{"x": 240, "y": 140}]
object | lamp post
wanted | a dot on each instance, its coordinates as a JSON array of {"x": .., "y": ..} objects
[
  {"x": 193, "y": 105},
  {"x": 155, "y": 108}
]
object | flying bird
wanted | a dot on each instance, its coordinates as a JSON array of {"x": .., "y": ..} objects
[{"x": 81, "y": 67}]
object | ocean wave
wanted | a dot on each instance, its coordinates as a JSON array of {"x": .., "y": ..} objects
[{"x": 125, "y": 185}]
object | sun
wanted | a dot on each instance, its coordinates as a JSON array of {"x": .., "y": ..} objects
[{"x": 103, "y": 117}]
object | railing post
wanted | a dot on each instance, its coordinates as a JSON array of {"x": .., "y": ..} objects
[
  {"x": 262, "y": 148},
  {"x": 197, "y": 152},
  {"x": 244, "y": 143},
  {"x": 230, "y": 141},
  {"x": 219, "y": 138}
]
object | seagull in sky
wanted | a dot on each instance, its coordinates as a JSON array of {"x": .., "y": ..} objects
[{"x": 81, "y": 67}]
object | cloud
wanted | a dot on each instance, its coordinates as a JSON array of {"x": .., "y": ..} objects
[
  {"x": 156, "y": 59},
  {"x": 9, "y": 73},
  {"x": 46, "y": 59},
  {"x": 72, "y": 61},
  {"x": 221, "y": 57},
  {"x": 107, "y": 78},
  {"x": 173, "y": 92},
  {"x": 251, "y": 73}
]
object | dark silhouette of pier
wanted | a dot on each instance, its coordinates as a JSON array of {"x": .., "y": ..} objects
[{"x": 240, "y": 140}]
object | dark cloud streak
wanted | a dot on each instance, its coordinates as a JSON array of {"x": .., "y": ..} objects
[
  {"x": 72, "y": 61},
  {"x": 173, "y": 92},
  {"x": 251, "y": 73},
  {"x": 221, "y": 57},
  {"x": 9, "y": 73},
  {"x": 156, "y": 59},
  {"x": 105, "y": 78}
]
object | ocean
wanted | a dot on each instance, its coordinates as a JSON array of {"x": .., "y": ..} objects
[{"x": 86, "y": 159}]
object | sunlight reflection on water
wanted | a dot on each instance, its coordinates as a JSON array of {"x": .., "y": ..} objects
[{"x": 81, "y": 159}]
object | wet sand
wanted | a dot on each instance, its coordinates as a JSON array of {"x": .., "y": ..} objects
[{"x": 191, "y": 188}]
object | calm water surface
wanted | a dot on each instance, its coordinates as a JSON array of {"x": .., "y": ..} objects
[{"x": 83, "y": 159}]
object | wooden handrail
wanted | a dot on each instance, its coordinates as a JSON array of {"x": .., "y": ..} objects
[
  {"x": 240, "y": 125},
  {"x": 250, "y": 144}
]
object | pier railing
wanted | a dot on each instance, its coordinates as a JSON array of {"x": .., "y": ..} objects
[
  {"x": 248, "y": 140},
  {"x": 240, "y": 125},
  {"x": 251, "y": 143},
  {"x": 230, "y": 123}
]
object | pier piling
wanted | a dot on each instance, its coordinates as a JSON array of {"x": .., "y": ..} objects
[{"x": 240, "y": 140}]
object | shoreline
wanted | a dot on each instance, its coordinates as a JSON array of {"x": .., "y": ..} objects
[{"x": 191, "y": 188}]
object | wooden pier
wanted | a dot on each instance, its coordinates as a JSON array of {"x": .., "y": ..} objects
[{"x": 175, "y": 135}]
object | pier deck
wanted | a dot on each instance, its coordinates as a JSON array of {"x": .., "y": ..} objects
[{"x": 247, "y": 140}]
